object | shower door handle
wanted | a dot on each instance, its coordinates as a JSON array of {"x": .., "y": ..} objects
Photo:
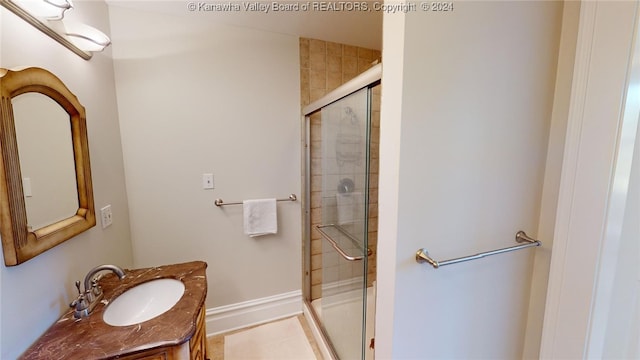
[{"x": 335, "y": 245}]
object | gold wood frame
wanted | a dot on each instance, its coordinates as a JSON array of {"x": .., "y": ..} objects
[{"x": 19, "y": 243}]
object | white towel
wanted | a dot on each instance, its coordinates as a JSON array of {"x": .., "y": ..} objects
[{"x": 260, "y": 217}]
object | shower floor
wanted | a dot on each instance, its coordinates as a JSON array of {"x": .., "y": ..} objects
[{"x": 348, "y": 312}]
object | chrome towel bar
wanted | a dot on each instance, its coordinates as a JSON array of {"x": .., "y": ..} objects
[
  {"x": 220, "y": 202},
  {"x": 423, "y": 256}
]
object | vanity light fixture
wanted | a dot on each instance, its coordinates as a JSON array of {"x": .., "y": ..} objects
[
  {"x": 86, "y": 37},
  {"x": 81, "y": 39},
  {"x": 46, "y": 9}
]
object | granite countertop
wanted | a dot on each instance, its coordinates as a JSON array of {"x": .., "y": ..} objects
[{"x": 92, "y": 338}]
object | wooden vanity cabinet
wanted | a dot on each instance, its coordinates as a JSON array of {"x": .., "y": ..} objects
[
  {"x": 198, "y": 343},
  {"x": 194, "y": 349},
  {"x": 146, "y": 340},
  {"x": 167, "y": 353}
]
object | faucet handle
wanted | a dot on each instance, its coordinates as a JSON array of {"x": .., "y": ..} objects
[
  {"x": 78, "y": 302},
  {"x": 80, "y": 306},
  {"x": 96, "y": 289}
]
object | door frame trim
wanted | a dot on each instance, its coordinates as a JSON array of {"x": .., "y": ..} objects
[{"x": 583, "y": 235}]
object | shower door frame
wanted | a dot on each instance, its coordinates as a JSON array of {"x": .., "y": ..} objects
[{"x": 367, "y": 79}]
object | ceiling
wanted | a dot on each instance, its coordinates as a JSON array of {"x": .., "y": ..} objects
[{"x": 346, "y": 26}]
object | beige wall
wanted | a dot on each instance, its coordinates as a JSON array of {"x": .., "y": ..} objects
[
  {"x": 37, "y": 292},
  {"x": 323, "y": 67},
  {"x": 465, "y": 125},
  {"x": 198, "y": 97}
]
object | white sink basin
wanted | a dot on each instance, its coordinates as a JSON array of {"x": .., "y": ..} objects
[{"x": 143, "y": 302}]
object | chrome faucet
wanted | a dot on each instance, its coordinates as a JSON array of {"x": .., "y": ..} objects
[{"x": 87, "y": 300}]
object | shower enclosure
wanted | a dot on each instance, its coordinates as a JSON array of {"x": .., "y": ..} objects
[{"x": 341, "y": 214}]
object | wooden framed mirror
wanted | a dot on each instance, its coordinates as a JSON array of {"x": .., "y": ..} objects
[{"x": 42, "y": 131}]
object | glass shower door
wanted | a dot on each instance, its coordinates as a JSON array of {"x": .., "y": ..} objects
[{"x": 345, "y": 169}]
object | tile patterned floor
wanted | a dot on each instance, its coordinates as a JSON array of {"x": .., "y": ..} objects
[{"x": 216, "y": 343}]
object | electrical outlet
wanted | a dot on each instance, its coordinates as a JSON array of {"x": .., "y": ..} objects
[
  {"x": 106, "y": 216},
  {"x": 207, "y": 181}
]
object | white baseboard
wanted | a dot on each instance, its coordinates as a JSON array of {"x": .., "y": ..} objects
[{"x": 253, "y": 312}]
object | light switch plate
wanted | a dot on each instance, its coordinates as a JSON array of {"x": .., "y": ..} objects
[
  {"x": 106, "y": 216},
  {"x": 26, "y": 187},
  {"x": 207, "y": 181}
]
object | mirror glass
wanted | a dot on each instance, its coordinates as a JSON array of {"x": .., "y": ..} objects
[{"x": 45, "y": 150}]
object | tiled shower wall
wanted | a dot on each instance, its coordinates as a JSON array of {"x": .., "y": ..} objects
[{"x": 324, "y": 66}]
